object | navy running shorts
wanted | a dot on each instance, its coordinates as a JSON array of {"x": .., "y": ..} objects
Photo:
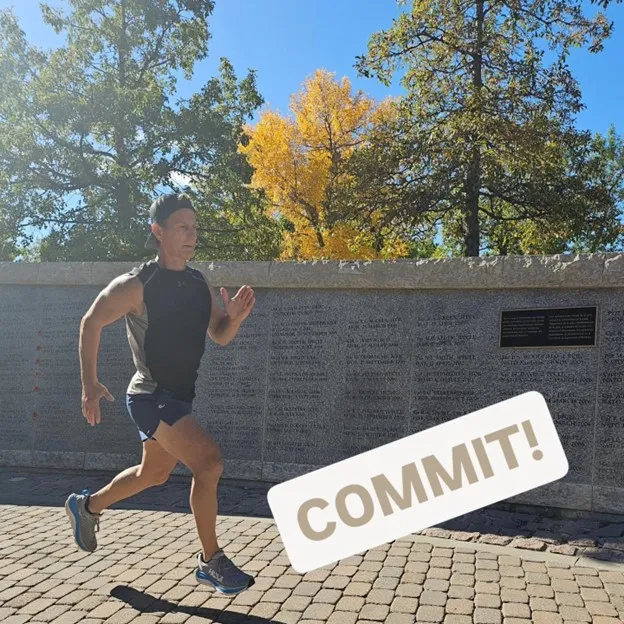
[{"x": 148, "y": 410}]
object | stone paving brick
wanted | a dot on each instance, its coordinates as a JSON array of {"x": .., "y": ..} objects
[
  {"x": 483, "y": 615},
  {"x": 339, "y": 582},
  {"x": 567, "y": 599},
  {"x": 393, "y": 618},
  {"x": 433, "y": 598},
  {"x": 487, "y": 575},
  {"x": 297, "y": 603},
  {"x": 516, "y": 610},
  {"x": 36, "y": 606},
  {"x": 344, "y": 617},
  {"x": 427, "y": 613},
  {"x": 265, "y": 610},
  {"x": 459, "y": 591},
  {"x": 459, "y": 606},
  {"x": 350, "y": 603},
  {"x": 490, "y": 601},
  {"x": 546, "y": 617},
  {"x": 486, "y": 564},
  {"x": 387, "y": 582},
  {"x": 290, "y": 617},
  {"x": 513, "y": 582},
  {"x": 409, "y": 590},
  {"x": 588, "y": 581},
  {"x": 600, "y": 608},
  {"x": 453, "y": 618},
  {"x": 578, "y": 614},
  {"x": 357, "y": 589},
  {"x": 374, "y": 612},
  {"x": 437, "y": 585},
  {"x": 329, "y": 596},
  {"x": 275, "y": 595},
  {"x": 17, "y": 619},
  {"x": 562, "y": 585},
  {"x": 544, "y": 604},
  {"x": 369, "y": 577},
  {"x": 540, "y": 591},
  {"x": 380, "y": 596},
  {"x": 482, "y": 587},
  {"x": 288, "y": 581},
  {"x": 307, "y": 588},
  {"x": 73, "y": 617},
  {"x": 594, "y": 595},
  {"x": 404, "y": 605}
]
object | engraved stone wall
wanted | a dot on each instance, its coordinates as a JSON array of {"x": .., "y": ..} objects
[{"x": 336, "y": 359}]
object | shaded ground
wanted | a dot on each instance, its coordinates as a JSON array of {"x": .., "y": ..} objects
[{"x": 501, "y": 525}]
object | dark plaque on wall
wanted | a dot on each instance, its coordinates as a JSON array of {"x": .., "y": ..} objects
[{"x": 550, "y": 327}]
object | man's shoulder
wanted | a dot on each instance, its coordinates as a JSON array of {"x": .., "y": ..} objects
[
  {"x": 142, "y": 272},
  {"x": 197, "y": 274}
]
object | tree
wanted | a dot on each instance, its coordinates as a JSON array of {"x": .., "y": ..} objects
[
  {"x": 486, "y": 130},
  {"x": 300, "y": 164},
  {"x": 90, "y": 132}
]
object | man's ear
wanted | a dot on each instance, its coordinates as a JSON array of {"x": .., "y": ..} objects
[{"x": 157, "y": 230}]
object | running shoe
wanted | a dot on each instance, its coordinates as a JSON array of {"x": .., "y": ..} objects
[
  {"x": 222, "y": 574},
  {"x": 84, "y": 523}
]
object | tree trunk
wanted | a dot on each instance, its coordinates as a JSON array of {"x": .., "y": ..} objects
[
  {"x": 473, "y": 177},
  {"x": 122, "y": 194}
]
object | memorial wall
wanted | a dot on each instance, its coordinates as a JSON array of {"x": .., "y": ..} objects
[{"x": 338, "y": 358}]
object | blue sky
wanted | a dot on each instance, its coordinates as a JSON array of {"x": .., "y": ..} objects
[{"x": 285, "y": 41}]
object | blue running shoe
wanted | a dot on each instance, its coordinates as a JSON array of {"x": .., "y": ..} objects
[
  {"x": 84, "y": 523},
  {"x": 222, "y": 574}
]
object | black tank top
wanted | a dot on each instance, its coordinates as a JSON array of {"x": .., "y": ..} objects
[{"x": 168, "y": 341}]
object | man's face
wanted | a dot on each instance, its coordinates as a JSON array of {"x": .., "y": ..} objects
[{"x": 178, "y": 235}]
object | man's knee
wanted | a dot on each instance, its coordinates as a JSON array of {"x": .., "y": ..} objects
[
  {"x": 208, "y": 465},
  {"x": 155, "y": 476}
]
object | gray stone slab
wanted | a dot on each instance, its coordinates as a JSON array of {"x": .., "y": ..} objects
[
  {"x": 561, "y": 270},
  {"x": 111, "y": 461},
  {"x": 65, "y": 274},
  {"x": 278, "y": 472},
  {"x": 440, "y": 273},
  {"x": 231, "y": 388},
  {"x": 58, "y": 459},
  {"x": 236, "y": 274},
  {"x": 562, "y": 494},
  {"x": 608, "y": 499},
  {"x": 608, "y": 439},
  {"x": 613, "y": 275},
  {"x": 19, "y": 273},
  {"x": 12, "y": 457},
  {"x": 61, "y": 425},
  {"x": 246, "y": 470},
  {"x": 337, "y": 358},
  {"x": 20, "y": 343}
]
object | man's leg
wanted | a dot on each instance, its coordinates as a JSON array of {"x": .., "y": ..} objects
[
  {"x": 186, "y": 441},
  {"x": 189, "y": 443},
  {"x": 154, "y": 469}
]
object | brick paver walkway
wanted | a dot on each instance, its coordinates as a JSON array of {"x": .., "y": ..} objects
[{"x": 143, "y": 570}]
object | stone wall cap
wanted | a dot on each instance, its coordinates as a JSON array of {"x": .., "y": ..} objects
[{"x": 604, "y": 270}]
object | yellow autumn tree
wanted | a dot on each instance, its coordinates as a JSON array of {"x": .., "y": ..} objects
[{"x": 299, "y": 162}]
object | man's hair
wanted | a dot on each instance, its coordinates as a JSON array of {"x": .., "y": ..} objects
[{"x": 163, "y": 207}]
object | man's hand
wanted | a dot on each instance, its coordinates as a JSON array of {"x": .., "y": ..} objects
[
  {"x": 239, "y": 307},
  {"x": 91, "y": 396}
]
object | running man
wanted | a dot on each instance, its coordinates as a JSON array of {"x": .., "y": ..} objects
[{"x": 169, "y": 308}]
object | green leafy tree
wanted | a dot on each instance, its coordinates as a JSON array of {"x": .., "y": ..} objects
[
  {"x": 486, "y": 131},
  {"x": 92, "y": 131}
]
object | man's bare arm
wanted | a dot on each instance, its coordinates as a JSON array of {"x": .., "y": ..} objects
[
  {"x": 122, "y": 296},
  {"x": 222, "y": 328}
]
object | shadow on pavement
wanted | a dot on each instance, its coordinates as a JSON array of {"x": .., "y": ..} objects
[
  {"x": 600, "y": 537},
  {"x": 146, "y": 603}
]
